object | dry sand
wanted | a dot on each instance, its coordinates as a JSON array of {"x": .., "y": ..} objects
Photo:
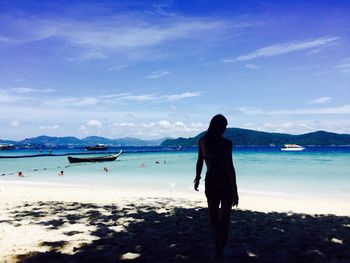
[{"x": 51, "y": 223}]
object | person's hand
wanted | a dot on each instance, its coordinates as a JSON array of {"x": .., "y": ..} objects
[
  {"x": 196, "y": 184},
  {"x": 235, "y": 200},
  {"x": 235, "y": 203}
]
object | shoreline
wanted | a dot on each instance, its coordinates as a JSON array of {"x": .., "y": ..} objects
[{"x": 12, "y": 192}]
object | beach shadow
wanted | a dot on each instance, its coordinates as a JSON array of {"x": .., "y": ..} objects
[{"x": 164, "y": 233}]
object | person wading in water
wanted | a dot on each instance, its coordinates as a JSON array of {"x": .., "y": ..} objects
[{"x": 220, "y": 179}]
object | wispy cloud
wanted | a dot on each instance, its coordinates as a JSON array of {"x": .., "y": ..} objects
[
  {"x": 117, "y": 68},
  {"x": 24, "y": 90},
  {"x": 284, "y": 48},
  {"x": 151, "y": 97},
  {"x": 320, "y": 100},
  {"x": 345, "y": 109},
  {"x": 122, "y": 35},
  {"x": 182, "y": 96},
  {"x": 72, "y": 101},
  {"x": 251, "y": 66},
  {"x": 157, "y": 74},
  {"x": 140, "y": 98},
  {"x": 345, "y": 67},
  {"x": 86, "y": 101}
]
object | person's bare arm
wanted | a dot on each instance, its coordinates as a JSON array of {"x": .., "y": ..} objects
[
  {"x": 231, "y": 172},
  {"x": 199, "y": 167}
]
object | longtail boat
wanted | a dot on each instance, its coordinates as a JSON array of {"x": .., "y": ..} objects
[{"x": 94, "y": 159}]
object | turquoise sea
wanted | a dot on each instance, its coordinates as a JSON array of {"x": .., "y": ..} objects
[{"x": 317, "y": 171}]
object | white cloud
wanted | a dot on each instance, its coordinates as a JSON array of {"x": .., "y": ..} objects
[
  {"x": 53, "y": 127},
  {"x": 153, "y": 129},
  {"x": 320, "y": 100},
  {"x": 82, "y": 128},
  {"x": 127, "y": 124},
  {"x": 172, "y": 184},
  {"x": 164, "y": 124},
  {"x": 284, "y": 48},
  {"x": 157, "y": 74},
  {"x": 251, "y": 66},
  {"x": 162, "y": 127},
  {"x": 15, "y": 124},
  {"x": 94, "y": 123},
  {"x": 179, "y": 124}
]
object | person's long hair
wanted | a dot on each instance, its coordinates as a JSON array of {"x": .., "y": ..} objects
[
  {"x": 215, "y": 131},
  {"x": 217, "y": 126}
]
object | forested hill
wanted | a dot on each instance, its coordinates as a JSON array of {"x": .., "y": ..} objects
[{"x": 244, "y": 137}]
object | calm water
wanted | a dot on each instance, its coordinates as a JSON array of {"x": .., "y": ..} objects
[{"x": 315, "y": 171}]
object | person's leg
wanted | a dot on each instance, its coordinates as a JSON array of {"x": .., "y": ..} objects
[
  {"x": 213, "y": 207},
  {"x": 224, "y": 222}
]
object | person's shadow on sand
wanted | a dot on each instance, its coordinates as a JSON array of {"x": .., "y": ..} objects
[{"x": 146, "y": 233}]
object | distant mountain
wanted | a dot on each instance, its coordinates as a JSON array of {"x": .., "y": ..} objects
[
  {"x": 239, "y": 137},
  {"x": 7, "y": 142},
  {"x": 48, "y": 141},
  {"x": 92, "y": 140},
  {"x": 245, "y": 137}
]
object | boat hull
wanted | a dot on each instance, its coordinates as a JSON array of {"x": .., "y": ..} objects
[
  {"x": 95, "y": 159},
  {"x": 96, "y": 148},
  {"x": 91, "y": 159},
  {"x": 292, "y": 150}
]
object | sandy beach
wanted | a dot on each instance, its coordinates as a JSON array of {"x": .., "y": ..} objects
[{"x": 56, "y": 223}]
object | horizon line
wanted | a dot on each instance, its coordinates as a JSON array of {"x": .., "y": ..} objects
[{"x": 165, "y": 137}]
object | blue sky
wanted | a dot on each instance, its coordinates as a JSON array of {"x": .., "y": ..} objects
[{"x": 151, "y": 69}]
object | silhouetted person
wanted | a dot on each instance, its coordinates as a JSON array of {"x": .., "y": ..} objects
[{"x": 220, "y": 179}]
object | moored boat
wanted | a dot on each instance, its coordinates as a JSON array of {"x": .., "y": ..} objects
[
  {"x": 7, "y": 147},
  {"x": 97, "y": 147},
  {"x": 292, "y": 147},
  {"x": 94, "y": 159}
]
